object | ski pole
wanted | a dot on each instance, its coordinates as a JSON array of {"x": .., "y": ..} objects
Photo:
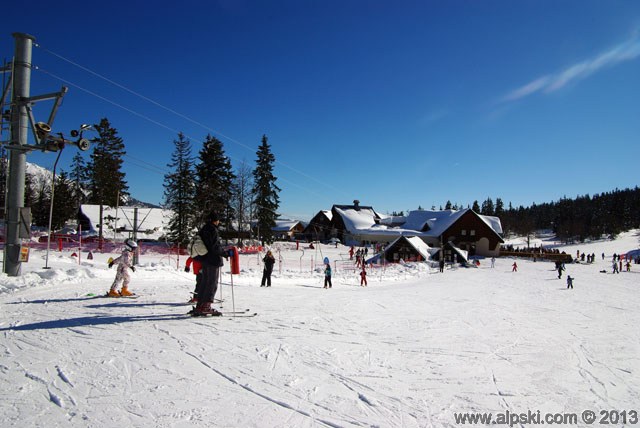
[{"x": 233, "y": 300}]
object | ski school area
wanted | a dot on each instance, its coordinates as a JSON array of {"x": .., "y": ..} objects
[{"x": 414, "y": 348}]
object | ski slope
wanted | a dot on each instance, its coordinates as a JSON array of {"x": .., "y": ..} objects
[{"x": 412, "y": 349}]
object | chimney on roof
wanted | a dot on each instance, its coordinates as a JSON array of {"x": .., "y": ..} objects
[{"x": 356, "y": 204}]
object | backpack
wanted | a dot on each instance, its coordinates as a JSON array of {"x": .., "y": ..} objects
[{"x": 196, "y": 246}]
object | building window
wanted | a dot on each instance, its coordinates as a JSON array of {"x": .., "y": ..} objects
[
  {"x": 472, "y": 232},
  {"x": 463, "y": 232}
]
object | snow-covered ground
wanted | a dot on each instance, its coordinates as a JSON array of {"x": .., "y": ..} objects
[{"x": 412, "y": 349}]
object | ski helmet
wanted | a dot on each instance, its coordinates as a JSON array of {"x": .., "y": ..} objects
[{"x": 131, "y": 244}]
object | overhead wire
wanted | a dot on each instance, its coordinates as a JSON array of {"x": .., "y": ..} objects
[
  {"x": 139, "y": 162},
  {"x": 147, "y": 118},
  {"x": 170, "y": 110}
]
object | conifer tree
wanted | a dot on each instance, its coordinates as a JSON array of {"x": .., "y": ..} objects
[
  {"x": 265, "y": 190},
  {"x": 64, "y": 207},
  {"x": 487, "y": 207},
  {"x": 107, "y": 185},
  {"x": 79, "y": 176},
  {"x": 242, "y": 196},
  {"x": 39, "y": 199},
  {"x": 476, "y": 207},
  {"x": 179, "y": 192},
  {"x": 499, "y": 207},
  {"x": 214, "y": 182}
]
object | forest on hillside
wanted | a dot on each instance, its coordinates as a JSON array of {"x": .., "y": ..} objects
[{"x": 585, "y": 217}]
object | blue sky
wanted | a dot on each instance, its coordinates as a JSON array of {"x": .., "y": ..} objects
[{"x": 398, "y": 104}]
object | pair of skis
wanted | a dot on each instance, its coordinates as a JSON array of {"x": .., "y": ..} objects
[
  {"x": 133, "y": 296},
  {"x": 230, "y": 314}
]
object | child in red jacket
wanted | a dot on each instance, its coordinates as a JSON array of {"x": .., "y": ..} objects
[
  {"x": 363, "y": 277},
  {"x": 197, "y": 266}
]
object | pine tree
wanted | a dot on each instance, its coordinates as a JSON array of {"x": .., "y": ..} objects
[
  {"x": 487, "y": 207},
  {"x": 242, "y": 196},
  {"x": 79, "y": 176},
  {"x": 476, "y": 207},
  {"x": 266, "y": 199},
  {"x": 179, "y": 191},
  {"x": 107, "y": 185},
  {"x": 64, "y": 207},
  {"x": 499, "y": 208},
  {"x": 214, "y": 182},
  {"x": 39, "y": 199}
]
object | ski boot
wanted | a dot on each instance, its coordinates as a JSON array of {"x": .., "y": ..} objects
[
  {"x": 205, "y": 309},
  {"x": 113, "y": 293},
  {"x": 125, "y": 292}
]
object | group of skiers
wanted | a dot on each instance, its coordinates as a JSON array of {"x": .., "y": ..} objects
[
  {"x": 361, "y": 255},
  {"x": 206, "y": 268}
]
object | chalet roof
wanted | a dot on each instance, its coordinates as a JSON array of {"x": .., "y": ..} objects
[
  {"x": 328, "y": 214},
  {"x": 493, "y": 222},
  {"x": 463, "y": 254},
  {"x": 360, "y": 220},
  {"x": 439, "y": 221},
  {"x": 414, "y": 241},
  {"x": 285, "y": 225}
]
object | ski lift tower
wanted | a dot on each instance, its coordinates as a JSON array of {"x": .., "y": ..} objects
[{"x": 21, "y": 117}]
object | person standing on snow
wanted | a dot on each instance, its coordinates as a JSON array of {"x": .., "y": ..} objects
[
  {"x": 515, "y": 267},
  {"x": 269, "y": 261},
  {"x": 124, "y": 263},
  {"x": 197, "y": 267},
  {"x": 327, "y": 275},
  {"x": 363, "y": 277},
  {"x": 569, "y": 282},
  {"x": 560, "y": 269},
  {"x": 211, "y": 264},
  {"x": 615, "y": 267}
]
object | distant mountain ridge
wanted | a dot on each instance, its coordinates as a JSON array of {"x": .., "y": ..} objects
[{"x": 41, "y": 178}]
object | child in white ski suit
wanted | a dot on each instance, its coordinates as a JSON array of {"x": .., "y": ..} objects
[{"x": 124, "y": 263}]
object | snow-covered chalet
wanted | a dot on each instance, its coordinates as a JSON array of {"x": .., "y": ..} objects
[{"x": 357, "y": 225}]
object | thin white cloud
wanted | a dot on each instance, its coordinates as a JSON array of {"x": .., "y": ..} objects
[
  {"x": 625, "y": 51},
  {"x": 433, "y": 117}
]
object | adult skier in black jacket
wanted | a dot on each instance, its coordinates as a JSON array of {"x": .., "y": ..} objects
[{"x": 211, "y": 264}]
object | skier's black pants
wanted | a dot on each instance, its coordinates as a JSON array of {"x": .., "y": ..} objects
[
  {"x": 266, "y": 277},
  {"x": 198, "y": 283},
  {"x": 208, "y": 283}
]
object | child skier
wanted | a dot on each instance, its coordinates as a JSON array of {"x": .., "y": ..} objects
[
  {"x": 122, "y": 275},
  {"x": 569, "y": 281},
  {"x": 363, "y": 277},
  {"x": 197, "y": 266},
  {"x": 327, "y": 275},
  {"x": 515, "y": 267}
]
